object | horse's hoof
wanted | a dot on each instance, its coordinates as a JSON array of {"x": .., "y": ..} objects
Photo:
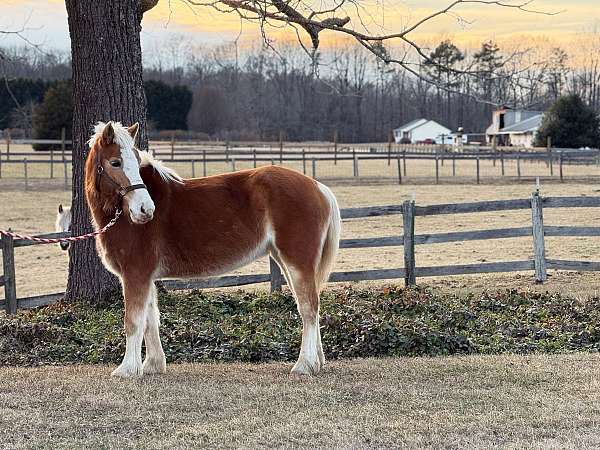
[
  {"x": 154, "y": 366},
  {"x": 127, "y": 371},
  {"x": 303, "y": 368}
]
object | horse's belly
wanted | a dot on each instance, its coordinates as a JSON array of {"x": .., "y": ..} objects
[{"x": 206, "y": 263}]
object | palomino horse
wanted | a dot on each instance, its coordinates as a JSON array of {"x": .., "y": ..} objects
[
  {"x": 174, "y": 228},
  {"x": 63, "y": 223}
]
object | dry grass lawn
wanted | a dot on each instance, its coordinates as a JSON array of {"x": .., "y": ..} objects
[{"x": 458, "y": 402}]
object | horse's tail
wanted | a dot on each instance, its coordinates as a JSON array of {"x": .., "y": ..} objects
[{"x": 332, "y": 239}]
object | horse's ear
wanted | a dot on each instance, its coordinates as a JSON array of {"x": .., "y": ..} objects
[
  {"x": 60, "y": 208},
  {"x": 133, "y": 130},
  {"x": 108, "y": 135}
]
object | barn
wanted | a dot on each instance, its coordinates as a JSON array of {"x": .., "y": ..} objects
[{"x": 514, "y": 127}]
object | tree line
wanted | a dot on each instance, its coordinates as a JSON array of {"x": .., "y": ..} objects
[{"x": 217, "y": 94}]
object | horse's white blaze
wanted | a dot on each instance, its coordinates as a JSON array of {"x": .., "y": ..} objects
[{"x": 141, "y": 206}]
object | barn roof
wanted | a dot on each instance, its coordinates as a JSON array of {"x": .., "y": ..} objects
[{"x": 524, "y": 126}]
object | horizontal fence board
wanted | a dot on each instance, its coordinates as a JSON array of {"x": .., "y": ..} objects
[
  {"x": 501, "y": 233},
  {"x": 388, "y": 241},
  {"x": 462, "y": 208},
  {"x": 35, "y": 301},
  {"x": 215, "y": 282},
  {"x": 570, "y": 202},
  {"x": 571, "y": 231},
  {"x": 363, "y": 275},
  {"x": 370, "y": 211},
  {"x": 465, "y": 269},
  {"x": 39, "y": 141},
  {"x": 583, "y": 266},
  {"x": 26, "y": 243},
  {"x": 423, "y": 239}
]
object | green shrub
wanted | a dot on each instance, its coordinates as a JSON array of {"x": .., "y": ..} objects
[{"x": 240, "y": 326}]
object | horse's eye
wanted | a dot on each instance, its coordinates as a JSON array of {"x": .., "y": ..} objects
[{"x": 116, "y": 163}]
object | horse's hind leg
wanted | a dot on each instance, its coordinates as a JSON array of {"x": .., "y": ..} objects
[
  {"x": 155, "y": 361},
  {"x": 136, "y": 295},
  {"x": 311, "y": 358}
]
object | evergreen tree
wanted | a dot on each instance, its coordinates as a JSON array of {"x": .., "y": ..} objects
[
  {"x": 570, "y": 123},
  {"x": 53, "y": 114},
  {"x": 168, "y": 106},
  {"x": 17, "y": 93}
]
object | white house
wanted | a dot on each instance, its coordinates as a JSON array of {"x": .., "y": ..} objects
[
  {"x": 514, "y": 127},
  {"x": 422, "y": 130}
]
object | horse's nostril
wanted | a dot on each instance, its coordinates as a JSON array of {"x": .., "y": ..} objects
[{"x": 143, "y": 210}]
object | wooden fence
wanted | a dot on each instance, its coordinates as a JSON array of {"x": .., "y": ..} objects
[
  {"x": 312, "y": 162},
  {"x": 410, "y": 272}
]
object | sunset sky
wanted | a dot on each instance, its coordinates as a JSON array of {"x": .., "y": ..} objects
[{"x": 46, "y": 21}]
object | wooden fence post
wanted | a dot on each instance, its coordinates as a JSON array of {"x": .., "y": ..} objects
[
  {"x": 304, "y": 161},
  {"x": 539, "y": 248},
  {"x": 549, "y": 146},
  {"x": 399, "y": 169},
  {"x": 519, "y": 165},
  {"x": 276, "y": 276},
  {"x": 63, "y": 144},
  {"x": 389, "y": 155},
  {"x": 8, "y": 266},
  {"x": 193, "y": 168},
  {"x": 25, "y": 173},
  {"x": 404, "y": 161},
  {"x": 280, "y": 147},
  {"x": 66, "y": 173},
  {"x": 453, "y": 165},
  {"x": 355, "y": 163},
  {"x": 408, "y": 218},
  {"x": 335, "y": 147},
  {"x": 51, "y": 164},
  {"x": 204, "y": 163},
  {"x": 314, "y": 169},
  {"x": 254, "y": 157},
  {"x": 560, "y": 166},
  {"x": 437, "y": 169},
  {"x": 7, "y": 144},
  {"x": 172, "y": 146},
  {"x": 233, "y": 164},
  {"x": 502, "y": 163},
  {"x": 477, "y": 169}
]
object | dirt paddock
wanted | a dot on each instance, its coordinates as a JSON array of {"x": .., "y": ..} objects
[{"x": 42, "y": 269}]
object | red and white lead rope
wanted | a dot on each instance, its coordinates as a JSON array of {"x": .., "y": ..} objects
[{"x": 66, "y": 239}]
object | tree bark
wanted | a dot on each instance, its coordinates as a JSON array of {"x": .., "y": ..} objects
[{"x": 107, "y": 85}]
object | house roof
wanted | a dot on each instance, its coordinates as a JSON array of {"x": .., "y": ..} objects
[
  {"x": 411, "y": 125},
  {"x": 417, "y": 123},
  {"x": 524, "y": 126}
]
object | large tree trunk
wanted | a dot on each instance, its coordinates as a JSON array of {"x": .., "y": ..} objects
[{"x": 107, "y": 85}]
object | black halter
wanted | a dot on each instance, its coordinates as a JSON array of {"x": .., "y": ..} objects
[{"x": 121, "y": 190}]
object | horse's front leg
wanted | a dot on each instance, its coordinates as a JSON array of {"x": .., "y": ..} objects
[
  {"x": 155, "y": 361},
  {"x": 136, "y": 293}
]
